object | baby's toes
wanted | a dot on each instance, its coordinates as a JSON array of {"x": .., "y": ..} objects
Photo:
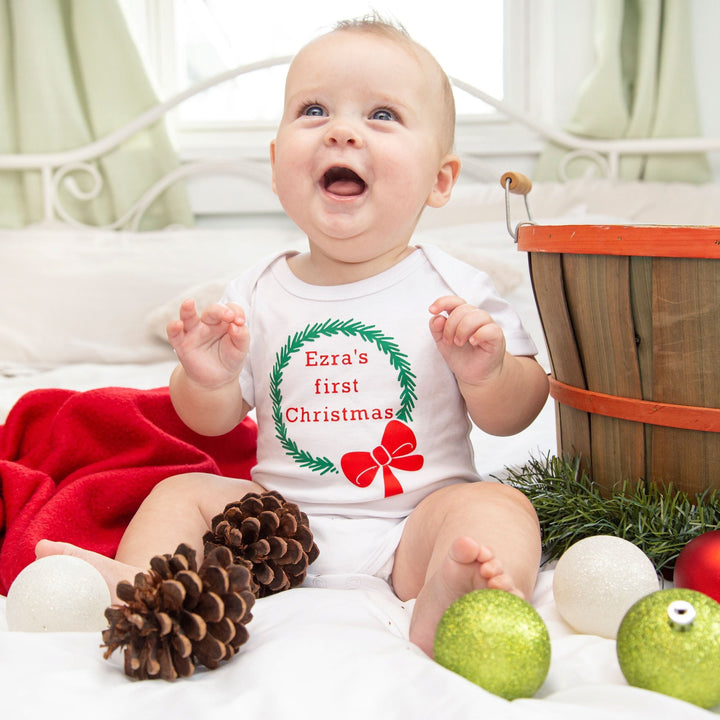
[
  {"x": 490, "y": 569},
  {"x": 502, "y": 581}
]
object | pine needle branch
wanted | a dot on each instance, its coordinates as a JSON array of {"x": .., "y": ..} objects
[{"x": 659, "y": 520}]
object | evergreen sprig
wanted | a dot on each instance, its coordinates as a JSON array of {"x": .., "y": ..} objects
[{"x": 660, "y": 520}]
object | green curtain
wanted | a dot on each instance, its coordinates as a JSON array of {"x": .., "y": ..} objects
[
  {"x": 642, "y": 85},
  {"x": 70, "y": 74}
]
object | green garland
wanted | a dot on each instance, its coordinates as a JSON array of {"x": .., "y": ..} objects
[
  {"x": 349, "y": 328},
  {"x": 660, "y": 521}
]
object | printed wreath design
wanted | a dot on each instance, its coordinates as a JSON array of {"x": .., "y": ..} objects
[{"x": 350, "y": 328}]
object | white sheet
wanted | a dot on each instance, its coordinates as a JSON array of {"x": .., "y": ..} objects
[{"x": 335, "y": 652}]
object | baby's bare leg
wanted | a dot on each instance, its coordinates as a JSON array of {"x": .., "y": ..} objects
[
  {"x": 463, "y": 538},
  {"x": 177, "y": 510}
]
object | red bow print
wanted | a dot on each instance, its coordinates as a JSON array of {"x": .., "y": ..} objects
[{"x": 398, "y": 441}]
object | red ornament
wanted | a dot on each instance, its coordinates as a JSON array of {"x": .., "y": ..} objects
[{"x": 698, "y": 565}]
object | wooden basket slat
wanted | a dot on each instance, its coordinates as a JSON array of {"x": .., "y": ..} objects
[
  {"x": 641, "y": 294},
  {"x": 686, "y": 346},
  {"x": 546, "y": 276},
  {"x": 598, "y": 292}
]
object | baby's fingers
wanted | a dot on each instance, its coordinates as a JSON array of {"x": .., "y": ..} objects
[
  {"x": 437, "y": 326},
  {"x": 219, "y": 313},
  {"x": 174, "y": 330},
  {"x": 446, "y": 304},
  {"x": 487, "y": 336},
  {"x": 441, "y": 310},
  {"x": 188, "y": 319},
  {"x": 188, "y": 314},
  {"x": 238, "y": 334},
  {"x": 461, "y": 325},
  {"x": 465, "y": 325}
]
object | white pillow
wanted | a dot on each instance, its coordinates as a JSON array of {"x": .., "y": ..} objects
[{"x": 84, "y": 296}]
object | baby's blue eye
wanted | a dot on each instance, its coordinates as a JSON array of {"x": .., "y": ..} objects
[
  {"x": 383, "y": 114},
  {"x": 314, "y": 111}
]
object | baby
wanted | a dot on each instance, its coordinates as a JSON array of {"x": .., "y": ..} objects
[{"x": 363, "y": 410}]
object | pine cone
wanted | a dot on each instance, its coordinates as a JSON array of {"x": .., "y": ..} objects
[
  {"x": 178, "y": 616},
  {"x": 268, "y": 535}
]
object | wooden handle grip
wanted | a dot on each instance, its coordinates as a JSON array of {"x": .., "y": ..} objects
[{"x": 519, "y": 183}]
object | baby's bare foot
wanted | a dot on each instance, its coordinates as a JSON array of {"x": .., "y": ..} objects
[
  {"x": 468, "y": 566},
  {"x": 111, "y": 570}
]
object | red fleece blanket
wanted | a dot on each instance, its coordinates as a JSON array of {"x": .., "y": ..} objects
[{"x": 75, "y": 466}]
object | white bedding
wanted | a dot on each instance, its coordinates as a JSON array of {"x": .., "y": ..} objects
[
  {"x": 335, "y": 652},
  {"x": 83, "y": 310}
]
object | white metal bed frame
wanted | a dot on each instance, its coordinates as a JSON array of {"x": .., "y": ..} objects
[{"x": 57, "y": 168}]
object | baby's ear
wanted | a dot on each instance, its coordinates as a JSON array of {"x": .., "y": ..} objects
[
  {"x": 272, "y": 165},
  {"x": 445, "y": 181}
]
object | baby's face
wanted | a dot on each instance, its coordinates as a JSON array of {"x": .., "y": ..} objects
[{"x": 359, "y": 147}]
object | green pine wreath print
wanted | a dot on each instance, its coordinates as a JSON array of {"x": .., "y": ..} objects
[{"x": 328, "y": 328}]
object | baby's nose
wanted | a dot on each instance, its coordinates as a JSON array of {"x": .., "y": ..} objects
[{"x": 342, "y": 132}]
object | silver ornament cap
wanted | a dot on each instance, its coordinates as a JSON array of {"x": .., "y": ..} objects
[{"x": 681, "y": 614}]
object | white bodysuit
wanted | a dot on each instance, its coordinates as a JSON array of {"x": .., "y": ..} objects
[{"x": 358, "y": 413}]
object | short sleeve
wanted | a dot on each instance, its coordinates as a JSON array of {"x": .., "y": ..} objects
[{"x": 476, "y": 287}]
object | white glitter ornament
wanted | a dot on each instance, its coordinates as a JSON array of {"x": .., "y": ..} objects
[
  {"x": 598, "y": 579},
  {"x": 58, "y": 593}
]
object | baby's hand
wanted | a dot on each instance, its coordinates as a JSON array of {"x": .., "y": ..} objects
[
  {"x": 471, "y": 343},
  {"x": 211, "y": 346}
]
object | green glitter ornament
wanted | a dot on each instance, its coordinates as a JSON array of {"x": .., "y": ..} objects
[
  {"x": 496, "y": 640},
  {"x": 669, "y": 642}
]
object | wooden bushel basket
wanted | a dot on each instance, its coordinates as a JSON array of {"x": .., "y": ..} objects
[{"x": 631, "y": 317}]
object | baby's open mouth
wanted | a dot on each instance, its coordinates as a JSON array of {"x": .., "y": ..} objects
[{"x": 343, "y": 181}]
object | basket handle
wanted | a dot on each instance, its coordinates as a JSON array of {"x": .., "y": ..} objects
[{"x": 518, "y": 184}]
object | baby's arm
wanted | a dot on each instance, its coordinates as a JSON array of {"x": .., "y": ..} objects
[
  {"x": 211, "y": 348},
  {"x": 503, "y": 392}
]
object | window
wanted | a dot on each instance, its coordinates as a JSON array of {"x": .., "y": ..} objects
[{"x": 186, "y": 41}]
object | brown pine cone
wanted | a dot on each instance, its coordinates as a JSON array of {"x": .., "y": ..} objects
[
  {"x": 178, "y": 616},
  {"x": 268, "y": 535}
]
